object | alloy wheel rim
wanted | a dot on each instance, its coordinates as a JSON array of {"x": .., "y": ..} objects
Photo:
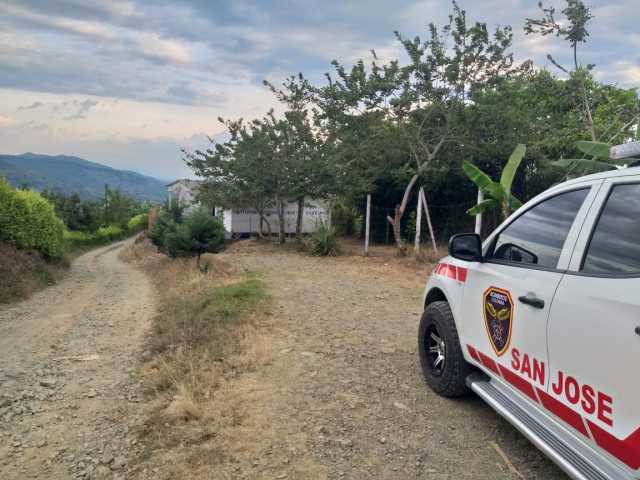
[{"x": 436, "y": 350}]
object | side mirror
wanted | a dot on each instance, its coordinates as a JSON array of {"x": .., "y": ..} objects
[{"x": 466, "y": 246}]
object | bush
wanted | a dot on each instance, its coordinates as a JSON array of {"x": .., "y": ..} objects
[
  {"x": 200, "y": 233},
  {"x": 28, "y": 221},
  {"x": 345, "y": 219},
  {"x": 163, "y": 226},
  {"x": 324, "y": 242},
  {"x": 108, "y": 234},
  {"x": 138, "y": 223}
]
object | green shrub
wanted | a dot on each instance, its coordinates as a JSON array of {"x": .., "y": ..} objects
[
  {"x": 163, "y": 225},
  {"x": 138, "y": 223},
  {"x": 108, "y": 234},
  {"x": 76, "y": 239},
  {"x": 324, "y": 242},
  {"x": 200, "y": 233},
  {"x": 345, "y": 219},
  {"x": 29, "y": 222}
]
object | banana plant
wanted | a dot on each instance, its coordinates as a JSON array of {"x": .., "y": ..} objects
[
  {"x": 598, "y": 159},
  {"x": 498, "y": 194}
]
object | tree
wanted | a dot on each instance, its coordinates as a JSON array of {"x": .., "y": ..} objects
[
  {"x": 307, "y": 170},
  {"x": 499, "y": 194},
  {"x": 426, "y": 99},
  {"x": 200, "y": 233},
  {"x": 620, "y": 117}
]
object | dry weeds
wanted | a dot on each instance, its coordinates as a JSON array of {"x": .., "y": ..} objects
[
  {"x": 212, "y": 330},
  {"x": 22, "y": 273}
]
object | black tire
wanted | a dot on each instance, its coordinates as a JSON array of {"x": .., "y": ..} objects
[{"x": 446, "y": 378}]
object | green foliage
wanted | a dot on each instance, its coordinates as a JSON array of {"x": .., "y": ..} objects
[
  {"x": 138, "y": 223},
  {"x": 599, "y": 161},
  {"x": 499, "y": 194},
  {"x": 324, "y": 242},
  {"x": 345, "y": 219},
  {"x": 196, "y": 234},
  {"x": 28, "y": 221},
  {"x": 163, "y": 226},
  {"x": 77, "y": 214}
]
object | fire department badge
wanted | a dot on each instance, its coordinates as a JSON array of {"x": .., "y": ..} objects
[{"x": 498, "y": 318}]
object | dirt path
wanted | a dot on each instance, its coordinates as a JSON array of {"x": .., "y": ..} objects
[
  {"x": 346, "y": 389},
  {"x": 67, "y": 390}
]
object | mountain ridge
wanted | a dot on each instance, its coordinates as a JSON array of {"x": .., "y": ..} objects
[{"x": 70, "y": 174}]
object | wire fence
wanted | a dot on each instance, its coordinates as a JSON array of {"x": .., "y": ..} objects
[{"x": 447, "y": 220}]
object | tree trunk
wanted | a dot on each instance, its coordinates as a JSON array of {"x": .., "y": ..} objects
[
  {"x": 395, "y": 221},
  {"x": 299, "y": 218},
  {"x": 264, "y": 220},
  {"x": 281, "y": 228}
]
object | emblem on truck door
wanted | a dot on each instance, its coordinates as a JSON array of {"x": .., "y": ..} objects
[{"x": 497, "y": 307}]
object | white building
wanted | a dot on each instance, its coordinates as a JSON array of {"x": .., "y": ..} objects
[
  {"x": 185, "y": 191},
  {"x": 246, "y": 221}
]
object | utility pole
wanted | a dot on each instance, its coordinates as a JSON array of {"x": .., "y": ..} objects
[{"x": 106, "y": 204}]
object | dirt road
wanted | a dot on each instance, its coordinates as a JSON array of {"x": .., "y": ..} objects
[
  {"x": 339, "y": 396},
  {"x": 67, "y": 390},
  {"x": 346, "y": 389}
]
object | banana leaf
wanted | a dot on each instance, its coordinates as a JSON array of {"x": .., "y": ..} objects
[
  {"x": 483, "y": 206},
  {"x": 509, "y": 171},
  {"x": 477, "y": 176},
  {"x": 595, "y": 149}
]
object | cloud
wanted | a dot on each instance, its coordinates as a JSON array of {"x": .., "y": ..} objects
[
  {"x": 6, "y": 121},
  {"x": 156, "y": 48},
  {"x": 33, "y": 106},
  {"x": 83, "y": 109},
  {"x": 79, "y": 27}
]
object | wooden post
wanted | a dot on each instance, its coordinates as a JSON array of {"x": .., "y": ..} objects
[
  {"x": 416, "y": 247},
  {"x": 367, "y": 227},
  {"x": 479, "y": 215},
  {"x": 426, "y": 212}
]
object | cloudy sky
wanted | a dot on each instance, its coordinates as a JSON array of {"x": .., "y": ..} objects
[{"x": 129, "y": 82}]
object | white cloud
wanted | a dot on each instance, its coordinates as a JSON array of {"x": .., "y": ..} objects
[
  {"x": 151, "y": 45},
  {"x": 81, "y": 27}
]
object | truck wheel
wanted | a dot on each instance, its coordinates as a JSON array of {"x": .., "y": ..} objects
[{"x": 443, "y": 365}]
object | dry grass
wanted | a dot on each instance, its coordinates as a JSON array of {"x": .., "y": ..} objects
[
  {"x": 211, "y": 331},
  {"x": 24, "y": 272}
]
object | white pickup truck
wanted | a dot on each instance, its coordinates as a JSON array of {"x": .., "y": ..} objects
[{"x": 542, "y": 321}]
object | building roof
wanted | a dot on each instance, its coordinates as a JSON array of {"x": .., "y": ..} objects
[{"x": 184, "y": 180}]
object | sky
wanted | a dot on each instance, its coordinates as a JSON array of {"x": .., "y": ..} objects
[{"x": 128, "y": 83}]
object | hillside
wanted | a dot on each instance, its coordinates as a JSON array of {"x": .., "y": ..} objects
[{"x": 76, "y": 175}]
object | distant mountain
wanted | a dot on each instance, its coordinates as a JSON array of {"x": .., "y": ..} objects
[{"x": 75, "y": 175}]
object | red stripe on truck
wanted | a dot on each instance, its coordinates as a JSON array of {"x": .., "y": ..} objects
[
  {"x": 518, "y": 382},
  {"x": 563, "y": 412},
  {"x": 451, "y": 271},
  {"x": 626, "y": 450}
]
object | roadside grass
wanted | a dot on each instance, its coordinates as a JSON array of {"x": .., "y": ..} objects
[
  {"x": 23, "y": 272},
  {"x": 210, "y": 329}
]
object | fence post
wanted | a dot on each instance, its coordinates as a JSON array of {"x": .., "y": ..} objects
[
  {"x": 479, "y": 215},
  {"x": 416, "y": 247},
  {"x": 426, "y": 212},
  {"x": 366, "y": 228}
]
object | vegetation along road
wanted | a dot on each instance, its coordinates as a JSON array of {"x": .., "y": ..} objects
[{"x": 339, "y": 393}]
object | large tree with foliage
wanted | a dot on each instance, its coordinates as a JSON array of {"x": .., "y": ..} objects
[{"x": 425, "y": 100}]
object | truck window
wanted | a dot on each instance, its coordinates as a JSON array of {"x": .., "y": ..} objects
[
  {"x": 615, "y": 243},
  {"x": 536, "y": 237}
]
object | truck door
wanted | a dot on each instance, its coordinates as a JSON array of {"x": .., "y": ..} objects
[
  {"x": 594, "y": 327},
  {"x": 507, "y": 297}
]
